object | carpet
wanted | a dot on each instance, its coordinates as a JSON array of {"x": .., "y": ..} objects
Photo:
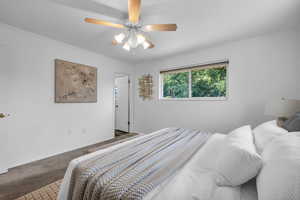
[{"x": 48, "y": 192}]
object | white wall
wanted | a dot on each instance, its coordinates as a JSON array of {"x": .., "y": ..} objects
[
  {"x": 38, "y": 127},
  {"x": 260, "y": 69}
]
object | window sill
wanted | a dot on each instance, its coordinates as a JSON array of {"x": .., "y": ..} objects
[{"x": 195, "y": 99}]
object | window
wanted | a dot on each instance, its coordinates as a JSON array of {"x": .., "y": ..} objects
[
  {"x": 207, "y": 82},
  {"x": 176, "y": 85}
]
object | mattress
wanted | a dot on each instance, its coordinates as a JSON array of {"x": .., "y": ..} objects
[{"x": 191, "y": 182}]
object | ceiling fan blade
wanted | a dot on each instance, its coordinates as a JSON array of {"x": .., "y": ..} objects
[
  {"x": 151, "y": 45},
  {"x": 105, "y": 23},
  {"x": 160, "y": 27},
  {"x": 114, "y": 42},
  {"x": 134, "y": 9}
]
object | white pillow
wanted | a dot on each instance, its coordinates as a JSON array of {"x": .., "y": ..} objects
[
  {"x": 279, "y": 178},
  {"x": 238, "y": 162},
  {"x": 265, "y": 133},
  {"x": 205, "y": 158}
]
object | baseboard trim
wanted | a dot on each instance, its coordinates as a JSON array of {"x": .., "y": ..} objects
[
  {"x": 3, "y": 171},
  {"x": 121, "y": 131}
]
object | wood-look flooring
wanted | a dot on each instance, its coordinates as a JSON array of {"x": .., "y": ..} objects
[{"x": 27, "y": 178}]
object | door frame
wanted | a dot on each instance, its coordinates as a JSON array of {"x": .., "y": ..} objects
[{"x": 129, "y": 99}]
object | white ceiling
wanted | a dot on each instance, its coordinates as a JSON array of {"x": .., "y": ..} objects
[{"x": 201, "y": 23}]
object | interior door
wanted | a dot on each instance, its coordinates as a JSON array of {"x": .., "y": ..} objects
[
  {"x": 8, "y": 73},
  {"x": 121, "y": 103}
]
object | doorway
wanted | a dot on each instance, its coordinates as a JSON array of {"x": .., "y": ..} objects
[{"x": 122, "y": 104}]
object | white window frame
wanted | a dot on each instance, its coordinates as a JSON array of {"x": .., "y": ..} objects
[{"x": 190, "y": 98}]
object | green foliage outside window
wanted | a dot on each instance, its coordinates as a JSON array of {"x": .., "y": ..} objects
[
  {"x": 204, "y": 83},
  {"x": 209, "y": 82},
  {"x": 176, "y": 85}
]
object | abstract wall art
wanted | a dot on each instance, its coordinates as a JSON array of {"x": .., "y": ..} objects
[{"x": 75, "y": 83}]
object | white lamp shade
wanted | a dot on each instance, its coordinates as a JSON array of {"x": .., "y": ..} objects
[{"x": 282, "y": 107}]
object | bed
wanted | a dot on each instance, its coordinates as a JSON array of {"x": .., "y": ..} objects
[{"x": 194, "y": 181}]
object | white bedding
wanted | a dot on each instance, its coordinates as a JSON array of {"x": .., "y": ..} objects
[{"x": 191, "y": 183}]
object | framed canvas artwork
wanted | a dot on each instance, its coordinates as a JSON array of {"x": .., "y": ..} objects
[{"x": 75, "y": 83}]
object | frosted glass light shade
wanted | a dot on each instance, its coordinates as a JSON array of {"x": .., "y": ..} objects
[
  {"x": 140, "y": 38},
  {"x": 146, "y": 45},
  {"x": 126, "y": 46},
  {"x": 282, "y": 107},
  {"x": 119, "y": 38},
  {"x": 133, "y": 40}
]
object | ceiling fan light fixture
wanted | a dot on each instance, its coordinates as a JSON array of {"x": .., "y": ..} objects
[
  {"x": 134, "y": 33},
  {"x": 120, "y": 37},
  {"x": 126, "y": 46}
]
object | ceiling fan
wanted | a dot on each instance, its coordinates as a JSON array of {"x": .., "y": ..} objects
[{"x": 134, "y": 34}]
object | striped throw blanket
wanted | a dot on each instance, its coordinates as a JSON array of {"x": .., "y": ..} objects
[{"x": 132, "y": 171}]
